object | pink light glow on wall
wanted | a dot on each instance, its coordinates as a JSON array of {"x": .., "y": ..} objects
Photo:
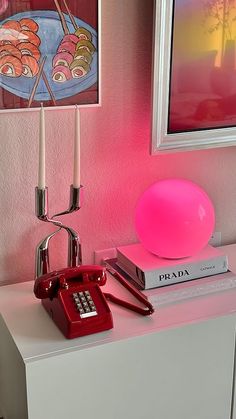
[{"x": 203, "y": 73}]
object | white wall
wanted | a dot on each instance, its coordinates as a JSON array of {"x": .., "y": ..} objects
[{"x": 116, "y": 165}]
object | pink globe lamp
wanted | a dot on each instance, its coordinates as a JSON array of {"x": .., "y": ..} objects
[{"x": 174, "y": 218}]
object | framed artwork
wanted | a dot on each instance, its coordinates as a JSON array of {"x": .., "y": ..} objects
[
  {"x": 194, "y": 75},
  {"x": 49, "y": 53}
]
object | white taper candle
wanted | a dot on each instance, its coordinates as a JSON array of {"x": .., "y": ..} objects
[
  {"x": 76, "y": 173},
  {"x": 41, "y": 168}
]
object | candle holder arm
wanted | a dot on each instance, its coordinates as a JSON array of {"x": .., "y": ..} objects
[
  {"x": 74, "y": 248},
  {"x": 42, "y": 255},
  {"x": 76, "y": 196}
]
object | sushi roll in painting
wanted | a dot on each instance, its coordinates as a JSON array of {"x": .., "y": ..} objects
[
  {"x": 62, "y": 58},
  {"x": 10, "y": 66},
  {"x": 86, "y": 44},
  {"x": 27, "y": 48},
  {"x": 67, "y": 47},
  {"x": 30, "y": 66},
  {"x": 12, "y": 25},
  {"x": 82, "y": 53},
  {"x": 9, "y": 49},
  {"x": 29, "y": 25},
  {"x": 83, "y": 33},
  {"x": 70, "y": 38},
  {"x": 28, "y": 36},
  {"x": 79, "y": 68},
  {"x": 61, "y": 74}
]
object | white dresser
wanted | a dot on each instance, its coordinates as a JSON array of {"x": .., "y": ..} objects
[{"x": 176, "y": 364}]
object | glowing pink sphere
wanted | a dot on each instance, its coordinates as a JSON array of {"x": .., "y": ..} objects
[{"x": 174, "y": 218}]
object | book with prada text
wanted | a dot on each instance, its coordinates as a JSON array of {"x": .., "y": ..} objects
[{"x": 150, "y": 271}]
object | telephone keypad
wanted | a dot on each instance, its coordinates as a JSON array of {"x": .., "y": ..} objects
[{"x": 84, "y": 304}]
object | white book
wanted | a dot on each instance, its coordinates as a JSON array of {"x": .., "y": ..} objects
[{"x": 150, "y": 271}]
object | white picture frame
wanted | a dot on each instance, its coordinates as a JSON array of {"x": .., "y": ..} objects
[{"x": 161, "y": 140}]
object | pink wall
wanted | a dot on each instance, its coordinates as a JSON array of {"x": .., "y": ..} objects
[{"x": 116, "y": 165}]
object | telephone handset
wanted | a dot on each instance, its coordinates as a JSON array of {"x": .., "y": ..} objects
[{"x": 74, "y": 300}]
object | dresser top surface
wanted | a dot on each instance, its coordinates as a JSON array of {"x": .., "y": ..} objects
[{"x": 36, "y": 336}]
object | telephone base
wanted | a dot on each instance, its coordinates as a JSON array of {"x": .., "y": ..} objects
[{"x": 80, "y": 310}]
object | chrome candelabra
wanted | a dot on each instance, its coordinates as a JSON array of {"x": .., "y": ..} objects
[{"x": 74, "y": 245}]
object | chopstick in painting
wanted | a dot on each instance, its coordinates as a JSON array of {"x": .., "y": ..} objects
[
  {"x": 36, "y": 81},
  {"x": 49, "y": 88},
  {"x": 62, "y": 18},
  {"x": 70, "y": 14}
]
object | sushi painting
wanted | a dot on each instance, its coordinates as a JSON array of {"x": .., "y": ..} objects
[{"x": 49, "y": 53}]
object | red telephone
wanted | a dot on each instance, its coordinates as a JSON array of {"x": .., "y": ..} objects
[{"x": 74, "y": 300}]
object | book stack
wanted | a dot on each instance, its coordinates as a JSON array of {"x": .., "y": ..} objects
[{"x": 150, "y": 271}]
